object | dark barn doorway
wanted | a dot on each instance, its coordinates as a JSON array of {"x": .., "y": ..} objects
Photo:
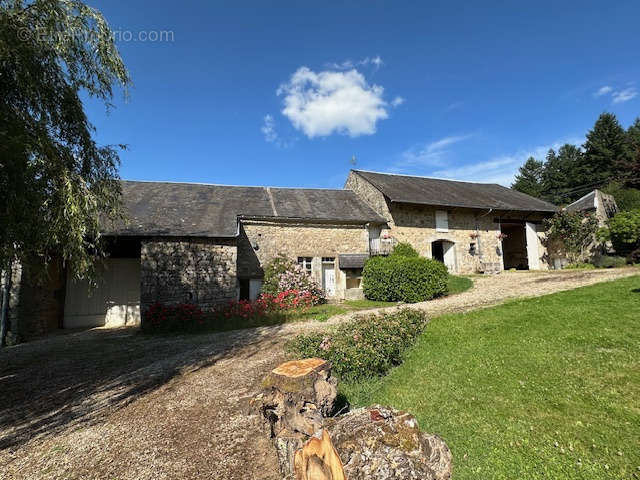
[{"x": 514, "y": 246}]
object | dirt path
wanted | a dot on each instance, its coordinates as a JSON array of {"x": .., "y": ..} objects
[{"x": 112, "y": 404}]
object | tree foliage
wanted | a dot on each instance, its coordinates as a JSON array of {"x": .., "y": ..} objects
[
  {"x": 575, "y": 231},
  {"x": 55, "y": 180},
  {"x": 610, "y": 155},
  {"x": 623, "y": 231},
  {"x": 529, "y": 178}
]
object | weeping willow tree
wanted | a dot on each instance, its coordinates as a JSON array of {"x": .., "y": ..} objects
[{"x": 55, "y": 181}]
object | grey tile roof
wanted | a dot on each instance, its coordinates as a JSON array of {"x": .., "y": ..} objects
[
  {"x": 352, "y": 260},
  {"x": 188, "y": 209},
  {"x": 450, "y": 193}
]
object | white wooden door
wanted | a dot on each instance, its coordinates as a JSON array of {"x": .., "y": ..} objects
[
  {"x": 532, "y": 246},
  {"x": 329, "y": 280},
  {"x": 255, "y": 286},
  {"x": 114, "y": 302},
  {"x": 449, "y": 256}
]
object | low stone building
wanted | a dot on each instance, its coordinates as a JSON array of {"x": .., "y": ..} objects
[
  {"x": 209, "y": 244},
  {"x": 471, "y": 227}
]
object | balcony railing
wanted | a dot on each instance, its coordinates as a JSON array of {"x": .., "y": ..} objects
[{"x": 381, "y": 246}]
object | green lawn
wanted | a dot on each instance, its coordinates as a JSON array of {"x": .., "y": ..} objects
[{"x": 541, "y": 388}]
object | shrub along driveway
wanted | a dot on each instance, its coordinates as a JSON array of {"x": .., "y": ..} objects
[{"x": 118, "y": 405}]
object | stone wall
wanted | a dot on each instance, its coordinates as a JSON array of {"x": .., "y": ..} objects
[
  {"x": 416, "y": 225},
  {"x": 36, "y": 301},
  {"x": 369, "y": 195},
  {"x": 200, "y": 271},
  {"x": 261, "y": 241}
]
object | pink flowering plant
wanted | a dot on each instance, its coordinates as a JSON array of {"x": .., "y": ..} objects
[
  {"x": 367, "y": 346},
  {"x": 282, "y": 274}
]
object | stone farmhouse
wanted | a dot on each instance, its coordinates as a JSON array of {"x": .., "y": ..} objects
[{"x": 208, "y": 244}]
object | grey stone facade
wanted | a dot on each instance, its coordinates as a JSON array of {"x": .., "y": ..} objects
[
  {"x": 261, "y": 241},
  {"x": 193, "y": 270},
  {"x": 474, "y": 233}
]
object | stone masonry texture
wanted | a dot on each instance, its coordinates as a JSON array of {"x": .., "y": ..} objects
[
  {"x": 416, "y": 225},
  {"x": 191, "y": 270},
  {"x": 261, "y": 241}
]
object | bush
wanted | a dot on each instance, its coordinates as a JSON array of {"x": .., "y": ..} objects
[
  {"x": 404, "y": 249},
  {"x": 364, "y": 347},
  {"x": 634, "y": 257},
  {"x": 404, "y": 279},
  {"x": 624, "y": 232},
  {"x": 170, "y": 318},
  {"x": 283, "y": 274},
  {"x": 609, "y": 261}
]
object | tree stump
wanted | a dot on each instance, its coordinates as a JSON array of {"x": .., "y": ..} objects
[
  {"x": 381, "y": 443},
  {"x": 318, "y": 460},
  {"x": 297, "y": 396}
]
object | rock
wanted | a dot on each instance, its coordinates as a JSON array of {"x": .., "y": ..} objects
[{"x": 379, "y": 443}]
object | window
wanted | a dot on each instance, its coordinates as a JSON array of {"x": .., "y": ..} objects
[
  {"x": 328, "y": 259},
  {"x": 305, "y": 263},
  {"x": 442, "y": 221}
]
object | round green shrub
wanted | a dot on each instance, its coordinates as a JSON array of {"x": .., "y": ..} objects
[
  {"x": 404, "y": 279},
  {"x": 404, "y": 249}
]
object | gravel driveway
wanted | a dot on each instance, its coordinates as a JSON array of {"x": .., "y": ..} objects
[{"x": 112, "y": 404}]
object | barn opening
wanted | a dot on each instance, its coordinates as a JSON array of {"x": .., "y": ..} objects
[{"x": 514, "y": 246}]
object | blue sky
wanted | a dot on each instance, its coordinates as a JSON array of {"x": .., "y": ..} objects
[{"x": 287, "y": 93}]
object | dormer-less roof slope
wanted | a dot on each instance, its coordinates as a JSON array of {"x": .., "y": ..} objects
[
  {"x": 450, "y": 193},
  {"x": 196, "y": 210}
]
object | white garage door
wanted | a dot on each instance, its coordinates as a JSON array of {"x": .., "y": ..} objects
[{"x": 114, "y": 302}]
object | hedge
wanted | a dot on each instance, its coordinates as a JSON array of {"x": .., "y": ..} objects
[
  {"x": 404, "y": 279},
  {"x": 364, "y": 347}
]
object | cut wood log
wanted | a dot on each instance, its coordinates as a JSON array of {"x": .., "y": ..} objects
[
  {"x": 297, "y": 396},
  {"x": 318, "y": 460}
]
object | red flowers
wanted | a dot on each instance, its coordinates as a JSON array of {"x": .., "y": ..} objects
[
  {"x": 182, "y": 315},
  {"x": 267, "y": 303}
]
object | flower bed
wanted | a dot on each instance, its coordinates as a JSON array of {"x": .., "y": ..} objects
[{"x": 266, "y": 310}]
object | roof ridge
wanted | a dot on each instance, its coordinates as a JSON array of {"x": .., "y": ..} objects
[
  {"x": 227, "y": 185},
  {"x": 426, "y": 177}
]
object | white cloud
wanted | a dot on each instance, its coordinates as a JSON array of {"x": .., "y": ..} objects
[
  {"x": 396, "y": 102},
  {"x": 431, "y": 154},
  {"x": 603, "y": 91},
  {"x": 349, "y": 64},
  {"x": 624, "y": 95},
  {"x": 270, "y": 133},
  {"x": 329, "y": 102},
  {"x": 501, "y": 169}
]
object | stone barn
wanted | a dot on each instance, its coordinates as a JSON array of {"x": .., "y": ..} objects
[
  {"x": 208, "y": 244},
  {"x": 471, "y": 227}
]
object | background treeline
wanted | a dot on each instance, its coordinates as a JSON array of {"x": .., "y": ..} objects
[{"x": 609, "y": 160}]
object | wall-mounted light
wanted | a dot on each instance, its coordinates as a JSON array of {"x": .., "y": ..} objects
[{"x": 254, "y": 245}]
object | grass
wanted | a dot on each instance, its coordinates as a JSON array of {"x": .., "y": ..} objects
[
  {"x": 540, "y": 388},
  {"x": 458, "y": 284}
]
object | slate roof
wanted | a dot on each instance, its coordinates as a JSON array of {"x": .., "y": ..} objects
[
  {"x": 588, "y": 202},
  {"x": 450, "y": 193},
  {"x": 352, "y": 260},
  {"x": 188, "y": 209}
]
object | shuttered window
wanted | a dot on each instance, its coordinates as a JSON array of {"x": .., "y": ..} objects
[{"x": 442, "y": 221}]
